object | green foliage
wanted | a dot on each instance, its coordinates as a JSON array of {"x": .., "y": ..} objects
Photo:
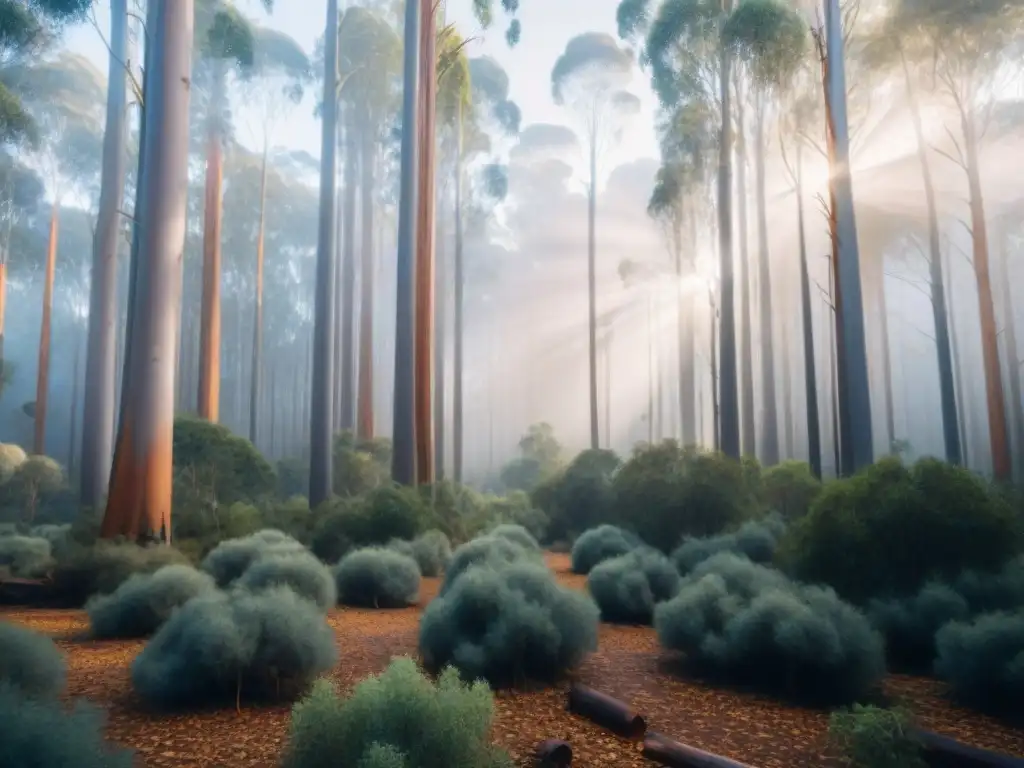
[
  {"x": 102, "y": 568},
  {"x": 337, "y": 521},
  {"x": 36, "y": 482},
  {"x": 491, "y": 550},
  {"x": 292, "y": 477},
  {"x": 25, "y": 557},
  {"x": 399, "y": 718},
  {"x": 540, "y": 458},
  {"x": 139, "y": 606},
  {"x": 374, "y": 518},
  {"x": 982, "y": 660},
  {"x": 516, "y": 534},
  {"x": 225, "y": 646},
  {"x": 771, "y": 37},
  {"x": 508, "y": 623},
  {"x": 891, "y": 529},
  {"x": 581, "y": 496},
  {"x": 230, "y": 559},
  {"x": 748, "y": 624},
  {"x": 296, "y": 569},
  {"x": 909, "y": 625},
  {"x": 30, "y": 663},
  {"x": 377, "y": 578},
  {"x": 458, "y": 510},
  {"x": 790, "y": 489},
  {"x": 517, "y": 509},
  {"x": 755, "y": 540},
  {"x": 431, "y": 550},
  {"x": 206, "y": 525},
  {"x": 665, "y": 492},
  {"x": 360, "y": 465},
  {"x": 626, "y": 588},
  {"x": 221, "y": 466},
  {"x": 872, "y": 737},
  {"x": 45, "y": 734},
  {"x": 522, "y": 474},
  {"x": 596, "y": 545}
]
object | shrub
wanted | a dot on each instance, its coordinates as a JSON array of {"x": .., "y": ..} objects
[
  {"x": 890, "y": 529},
  {"x": 209, "y": 525},
  {"x": 44, "y": 734},
  {"x": 232, "y": 558},
  {"x": 300, "y": 571},
  {"x": 665, "y": 492},
  {"x": 333, "y": 530},
  {"x": 223, "y": 646},
  {"x": 377, "y": 578},
  {"x": 790, "y": 489},
  {"x": 26, "y": 557},
  {"x": 581, "y": 496},
  {"x": 401, "y": 718},
  {"x": 226, "y": 466},
  {"x": 983, "y": 661},
  {"x": 755, "y": 540},
  {"x": 626, "y": 588},
  {"x": 486, "y": 549},
  {"x": 517, "y": 509},
  {"x": 390, "y": 513},
  {"x": 35, "y": 481},
  {"x": 507, "y": 624},
  {"x": 988, "y": 592},
  {"x": 872, "y": 737},
  {"x": 909, "y": 626},
  {"x": 599, "y": 544},
  {"x": 459, "y": 511},
  {"x": 30, "y": 662},
  {"x": 747, "y": 623},
  {"x": 431, "y": 551},
  {"x": 11, "y": 457},
  {"x": 102, "y": 568},
  {"x": 140, "y": 605},
  {"x": 516, "y": 534}
]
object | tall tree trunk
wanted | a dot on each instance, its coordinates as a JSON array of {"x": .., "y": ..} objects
[
  {"x": 954, "y": 348},
  {"x": 340, "y": 306},
  {"x": 595, "y": 435},
  {"x": 998, "y": 438},
  {"x": 322, "y": 390},
  {"x": 882, "y": 307},
  {"x": 460, "y": 281},
  {"x": 347, "y": 305},
  {"x": 748, "y": 428},
  {"x": 404, "y": 453},
  {"x": 440, "y": 347},
  {"x": 685, "y": 318},
  {"x": 210, "y": 329},
  {"x": 141, "y": 479},
  {"x": 716, "y": 406},
  {"x": 729, "y": 419},
  {"x": 947, "y": 389},
  {"x": 650, "y": 371},
  {"x": 256, "y": 378},
  {"x": 73, "y": 421},
  {"x": 43, "y": 371},
  {"x": 366, "y": 285},
  {"x": 854, "y": 386},
  {"x": 609, "y": 336},
  {"x": 272, "y": 407},
  {"x": 770, "y": 425},
  {"x": 100, "y": 359},
  {"x": 810, "y": 372},
  {"x": 424, "y": 323},
  {"x": 789, "y": 449},
  {"x": 1012, "y": 351}
]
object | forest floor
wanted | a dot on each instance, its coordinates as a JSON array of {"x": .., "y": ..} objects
[{"x": 745, "y": 727}]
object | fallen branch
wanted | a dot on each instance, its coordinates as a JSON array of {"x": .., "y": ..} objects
[
  {"x": 944, "y": 752},
  {"x": 673, "y": 754},
  {"x": 606, "y": 711},
  {"x": 553, "y": 753}
]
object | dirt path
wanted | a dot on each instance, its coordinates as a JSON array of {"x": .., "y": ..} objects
[{"x": 752, "y": 729}]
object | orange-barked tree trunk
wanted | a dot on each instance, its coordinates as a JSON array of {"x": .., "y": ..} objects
[
  {"x": 366, "y": 302},
  {"x": 424, "y": 280},
  {"x": 139, "y": 501},
  {"x": 43, "y": 372},
  {"x": 255, "y": 384}
]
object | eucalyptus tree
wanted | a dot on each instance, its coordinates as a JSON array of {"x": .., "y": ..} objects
[
  {"x": 139, "y": 501},
  {"x": 590, "y": 77},
  {"x": 771, "y": 40}
]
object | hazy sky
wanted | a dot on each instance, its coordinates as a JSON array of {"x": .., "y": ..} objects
[{"x": 547, "y": 27}]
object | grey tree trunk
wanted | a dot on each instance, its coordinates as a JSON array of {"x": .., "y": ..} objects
[
  {"x": 961, "y": 395},
  {"x": 339, "y": 275},
  {"x": 685, "y": 328},
  {"x": 748, "y": 430},
  {"x": 854, "y": 386},
  {"x": 440, "y": 345},
  {"x": 882, "y": 307},
  {"x": 770, "y": 424},
  {"x": 1016, "y": 409},
  {"x": 403, "y": 463},
  {"x": 322, "y": 390},
  {"x": 347, "y": 366},
  {"x": 256, "y": 375},
  {"x": 810, "y": 373},
  {"x": 460, "y": 280},
  {"x": 365, "y": 424},
  {"x": 729, "y": 422},
  {"x": 101, "y": 351},
  {"x": 595, "y": 435}
]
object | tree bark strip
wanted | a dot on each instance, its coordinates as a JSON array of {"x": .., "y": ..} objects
[
  {"x": 747, "y": 414},
  {"x": 256, "y": 378},
  {"x": 347, "y": 303},
  {"x": 770, "y": 422},
  {"x": 43, "y": 371},
  {"x": 810, "y": 371},
  {"x": 460, "y": 281},
  {"x": 365, "y": 426}
]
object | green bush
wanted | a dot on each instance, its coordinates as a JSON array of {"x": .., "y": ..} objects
[
  {"x": 223, "y": 466},
  {"x": 891, "y": 529},
  {"x": 298, "y": 570},
  {"x": 755, "y": 539},
  {"x": 377, "y": 578},
  {"x": 516, "y": 534},
  {"x": 44, "y": 734},
  {"x": 337, "y": 521},
  {"x": 457, "y": 510},
  {"x": 596, "y": 545},
  {"x": 232, "y": 558},
  {"x": 291, "y": 516},
  {"x": 751, "y": 625},
  {"x": 222, "y": 647},
  {"x": 517, "y": 509},
  {"x": 665, "y": 492},
  {"x": 872, "y": 737},
  {"x": 508, "y": 623},
  {"x": 11, "y": 457},
  {"x": 140, "y": 605},
  {"x": 910, "y": 625},
  {"x": 399, "y": 718},
  {"x": 103, "y": 567},
  {"x": 581, "y": 496},
  {"x": 486, "y": 549},
  {"x": 30, "y": 663},
  {"x": 25, "y": 557},
  {"x": 292, "y": 477},
  {"x": 983, "y": 661},
  {"x": 626, "y": 588},
  {"x": 790, "y": 489},
  {"x": 37, "y": 481},
  {"x": 431, "y": 550}
]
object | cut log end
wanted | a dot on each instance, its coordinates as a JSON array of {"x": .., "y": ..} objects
[
  {"x": 607, "y": 712},
  {"x": 553, "y": 753}
]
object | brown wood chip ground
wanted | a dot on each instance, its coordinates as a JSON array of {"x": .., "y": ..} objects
[{"x": 752, "y": 729}]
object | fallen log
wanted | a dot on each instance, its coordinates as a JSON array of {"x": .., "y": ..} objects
[
  {"x": 943, "y": 752},
  {"x": 554, "y": 753},
  {"x": 606, "y": 711},
  {"x": 671, "y": 753},
  {"x": 27, "y": 592}
]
